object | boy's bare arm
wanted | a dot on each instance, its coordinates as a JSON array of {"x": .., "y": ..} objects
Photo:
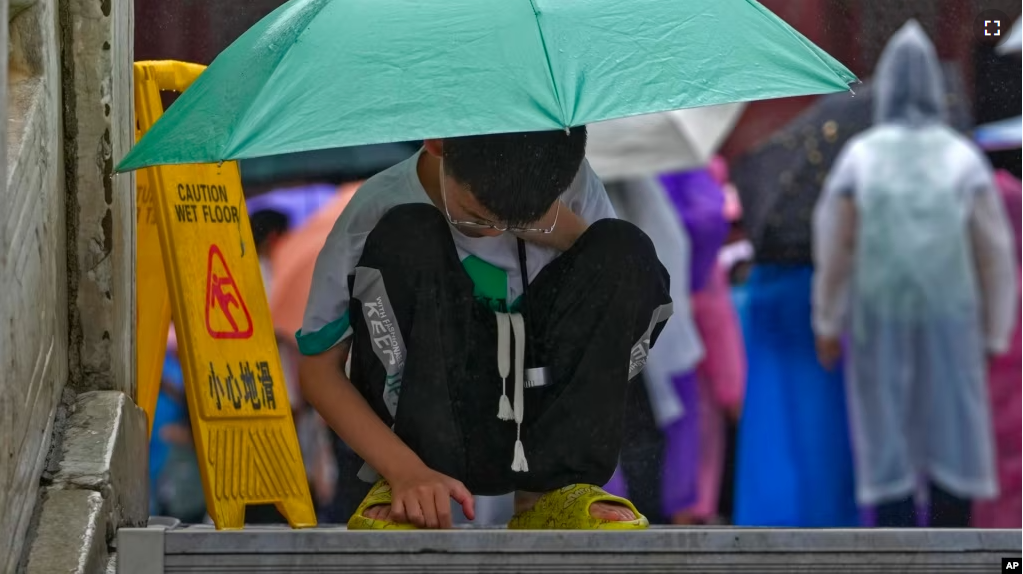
[
  {"x": 420, "y": 495},
  {"x": 326, "y": 387}
]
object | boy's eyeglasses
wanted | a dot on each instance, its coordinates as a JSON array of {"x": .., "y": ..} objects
[{"x": 489, "y": 225}]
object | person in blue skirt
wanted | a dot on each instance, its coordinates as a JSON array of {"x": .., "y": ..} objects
[{"x": 794, "y": 464}]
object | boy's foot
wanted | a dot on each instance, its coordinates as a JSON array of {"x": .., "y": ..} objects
[
  {"x": 525, "y": 501},
  {"x": 601, "y": 510},
  {"x": 379, "y": 512}
]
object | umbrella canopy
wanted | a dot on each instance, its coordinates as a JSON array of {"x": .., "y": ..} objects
[
  {"x": 780, "y": 180},
  {"x": 318, "y": 74},
  {"x": 1013, "y": 43},
  {"x": 1001, "y": 135},
  {"x": 646, "y": 145}
]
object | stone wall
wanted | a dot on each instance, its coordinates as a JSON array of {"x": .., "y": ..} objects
[
  {"x": 97, "y": 40},
  {"x": 67, "y": 235},
  {"x": 33, "y": 266}
]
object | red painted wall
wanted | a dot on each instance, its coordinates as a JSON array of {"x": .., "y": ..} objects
[{"x": 855, "y": 32}]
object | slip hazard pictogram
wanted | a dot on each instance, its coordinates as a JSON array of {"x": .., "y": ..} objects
[{"x": 227, "y": 316}]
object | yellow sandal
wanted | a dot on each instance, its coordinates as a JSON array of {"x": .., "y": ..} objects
[
  {"x": 569, "y": 509},
  {"x": 378, "y": 495}
]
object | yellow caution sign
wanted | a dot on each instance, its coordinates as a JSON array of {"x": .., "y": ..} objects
[
  {"x": 152, "y": 300},
  {"x": 241, "y": 416}
]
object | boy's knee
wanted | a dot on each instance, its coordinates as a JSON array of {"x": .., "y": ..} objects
[
  {"x": 414, "y": 231},
  {"x": 620, "y": 246},
  {"x": 406, "y": 216}
]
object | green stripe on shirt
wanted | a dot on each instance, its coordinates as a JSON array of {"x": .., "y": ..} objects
[{"x": 319, "y": 341}]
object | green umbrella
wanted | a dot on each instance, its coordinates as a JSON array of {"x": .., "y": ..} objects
[{"x": 319, "y": 74}]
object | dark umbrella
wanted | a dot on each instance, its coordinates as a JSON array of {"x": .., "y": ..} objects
[
  {"x": 337, "y": 165},
  {"x": 779, "y": 181}
]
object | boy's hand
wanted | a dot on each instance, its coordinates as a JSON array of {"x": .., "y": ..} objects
[{"x": 423, "y": 496}]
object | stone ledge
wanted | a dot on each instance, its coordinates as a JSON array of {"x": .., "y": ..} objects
[
  {"x": 70, "y": 538},
  {"x": 203, "y": 550},
  {"x": 105, "y": 449}
]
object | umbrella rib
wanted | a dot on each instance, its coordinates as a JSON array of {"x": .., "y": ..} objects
[
  {"x": 809, "y": 46},
  {"x": 547, "y": 60},
  {"x": 313, "y": 12}
]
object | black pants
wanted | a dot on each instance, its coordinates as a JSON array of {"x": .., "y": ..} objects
[
  {"x": 585, "y": 312},
  {"x": 350, "y": 490},
  {"x": 946, "y": 511}
]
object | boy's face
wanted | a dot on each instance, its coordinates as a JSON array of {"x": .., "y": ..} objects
[{"x": 463, "y": 207}]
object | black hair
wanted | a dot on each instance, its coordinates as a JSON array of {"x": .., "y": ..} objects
[
  {"x": 516, "y": 176},
  {"x": 266, "y": 222}
]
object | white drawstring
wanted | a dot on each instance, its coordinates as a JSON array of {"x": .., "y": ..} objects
[
  {"x": 519, "y": 463},
  {"x": 505, "y": 410}
]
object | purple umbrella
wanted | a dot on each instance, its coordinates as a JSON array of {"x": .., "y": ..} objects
[
  {"x": 699, "y": 200},
  {"x": 294, "y": 203}
]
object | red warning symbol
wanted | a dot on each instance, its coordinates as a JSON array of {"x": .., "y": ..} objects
[{"x": 227, "y": 317}]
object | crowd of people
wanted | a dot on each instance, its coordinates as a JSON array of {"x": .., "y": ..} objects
[{"x": 865, "y": 374}]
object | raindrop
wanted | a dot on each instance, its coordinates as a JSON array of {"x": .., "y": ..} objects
[{"x": 830, "y": 130}]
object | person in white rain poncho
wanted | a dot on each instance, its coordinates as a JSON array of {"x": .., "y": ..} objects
[{"x": 914, "y": 263}]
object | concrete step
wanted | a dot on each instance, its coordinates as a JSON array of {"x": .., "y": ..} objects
[{"x": 201, "y": 549}]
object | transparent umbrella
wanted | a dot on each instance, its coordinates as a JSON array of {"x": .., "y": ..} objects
[
  {"x": 647, "y": 145},
  {"x": 1001, "y": 135},
  {"x": 1013, "y": 43}
]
